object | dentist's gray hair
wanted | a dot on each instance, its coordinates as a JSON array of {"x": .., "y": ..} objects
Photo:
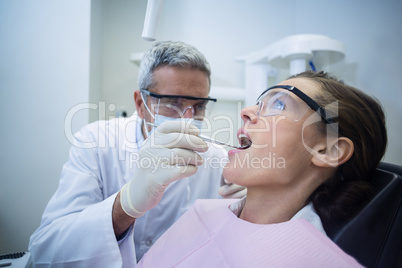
[{"x": 174, "y": 54}]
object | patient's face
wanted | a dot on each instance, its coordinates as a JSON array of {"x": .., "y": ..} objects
[{"x": 278, "y": 154}]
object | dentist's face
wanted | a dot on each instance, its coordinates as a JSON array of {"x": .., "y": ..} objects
[
  {"x": 173, "y": 81},
  {"x": 277, "y": 156}
]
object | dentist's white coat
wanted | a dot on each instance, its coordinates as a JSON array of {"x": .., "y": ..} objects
[{"x": 76, "y": 228}]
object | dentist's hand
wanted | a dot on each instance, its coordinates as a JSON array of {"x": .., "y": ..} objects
[
  {"x": 168, "y": 154},
  {"x": 230, "y": 190}
]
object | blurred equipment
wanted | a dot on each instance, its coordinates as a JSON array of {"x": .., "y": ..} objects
[
  {"x": 152, "y": 15},
  {"x": 297, "y": 53},
  {"x": 17, "y": 260}
]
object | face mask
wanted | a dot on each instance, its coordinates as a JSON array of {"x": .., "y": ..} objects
[{"x": 159, "y": 119}]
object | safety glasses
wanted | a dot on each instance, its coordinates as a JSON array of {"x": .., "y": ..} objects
[
  {"x": 177, "y": 106},
  {"x": 280, "y": 100}
]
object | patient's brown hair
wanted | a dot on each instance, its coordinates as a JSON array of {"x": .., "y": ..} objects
[{"x": 361, "y": 119}]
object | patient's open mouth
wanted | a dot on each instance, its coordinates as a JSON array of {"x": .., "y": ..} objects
[{"x": 245, "y": 142}]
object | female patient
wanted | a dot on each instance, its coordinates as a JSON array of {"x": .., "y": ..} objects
[{"x": 314, "y": 141}]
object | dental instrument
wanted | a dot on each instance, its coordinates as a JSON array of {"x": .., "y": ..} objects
[{"x": 207, "y": 139}]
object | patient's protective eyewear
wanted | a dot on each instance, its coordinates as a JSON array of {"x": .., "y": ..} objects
[
  {"x": 279, "y": 100},
  {"x": 177, "y": 105}
]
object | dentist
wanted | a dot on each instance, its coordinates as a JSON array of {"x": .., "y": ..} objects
[{"x": 128, "y": 180}]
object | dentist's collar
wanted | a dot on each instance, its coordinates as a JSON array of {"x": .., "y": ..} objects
[{"x": 132, "y": 130}]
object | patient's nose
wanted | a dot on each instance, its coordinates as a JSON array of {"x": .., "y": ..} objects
[{"x": 249, "y": 114}]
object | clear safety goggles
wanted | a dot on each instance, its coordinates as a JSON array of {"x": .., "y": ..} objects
[
  {"x": 177, "y": 106},
  {"x": 280, "y": 100}
]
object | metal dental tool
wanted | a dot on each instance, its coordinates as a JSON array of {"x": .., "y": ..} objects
[
  {"x": 222, "y": 143},
  {"x": 214, "y": 141}
]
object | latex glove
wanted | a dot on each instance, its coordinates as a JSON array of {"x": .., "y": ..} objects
[
  {"x": 231, "y": 190},
  {"x": 168, "y": 154}
]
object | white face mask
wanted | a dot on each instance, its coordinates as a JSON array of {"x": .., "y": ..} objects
[{"x": 159, "y": 119}]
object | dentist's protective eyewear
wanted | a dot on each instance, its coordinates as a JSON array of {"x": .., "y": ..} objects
[
  {"x": 177, "y": 105},
  {"x": 280, "y": 100}
]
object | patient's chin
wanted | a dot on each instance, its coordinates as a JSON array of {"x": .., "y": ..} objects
[{"x": 229, "y": 173}]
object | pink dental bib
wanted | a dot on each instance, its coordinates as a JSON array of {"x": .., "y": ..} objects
[{"x": 210, "y": 235}]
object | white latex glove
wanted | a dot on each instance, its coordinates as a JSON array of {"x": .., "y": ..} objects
[
  {"x": 167, "y": 155},
  {"x": 231, "y": 190}
]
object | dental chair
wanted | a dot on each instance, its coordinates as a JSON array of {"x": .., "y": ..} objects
[{"x": 374, "y": 236}]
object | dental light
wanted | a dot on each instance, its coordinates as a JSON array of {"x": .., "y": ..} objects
[{"x": 152, "y": 15}]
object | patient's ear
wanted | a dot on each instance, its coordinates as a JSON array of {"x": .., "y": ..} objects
[{"x": 334, "y": 153}]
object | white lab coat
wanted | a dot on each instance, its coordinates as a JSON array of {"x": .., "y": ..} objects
[{"x": 76, "y": 228}]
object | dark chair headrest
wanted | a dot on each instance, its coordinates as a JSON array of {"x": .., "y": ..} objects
[{"x": 374, "y": 236}]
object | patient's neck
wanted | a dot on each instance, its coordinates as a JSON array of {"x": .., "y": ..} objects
[{"x": 276, "y": 207}]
